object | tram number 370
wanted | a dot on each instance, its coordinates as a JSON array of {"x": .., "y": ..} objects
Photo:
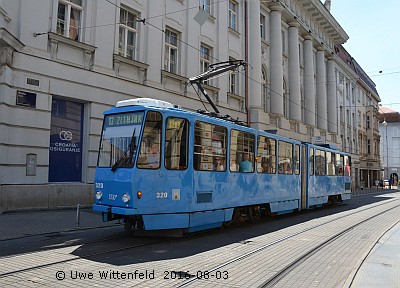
[{"x": 161, "y": 195}]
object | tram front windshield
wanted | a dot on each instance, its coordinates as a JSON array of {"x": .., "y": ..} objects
[{"x": 119, "y": 140}]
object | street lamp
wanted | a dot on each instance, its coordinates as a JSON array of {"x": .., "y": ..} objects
[{"x": 384, "y": 123}]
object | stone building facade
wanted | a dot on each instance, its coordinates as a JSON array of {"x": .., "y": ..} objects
[
  {"x": 389, "y": 126},
  {"x": 63, "y": 62}
]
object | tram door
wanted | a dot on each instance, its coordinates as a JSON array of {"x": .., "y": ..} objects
[
  {"x": 304, "y": 175},
  {"x": 178, "y": 180}
]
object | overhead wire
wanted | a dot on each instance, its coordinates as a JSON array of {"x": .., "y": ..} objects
[{"x": 145, "y": 21}]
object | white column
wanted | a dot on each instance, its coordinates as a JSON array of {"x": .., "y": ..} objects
[
  {"x": 221, "y": 49},
  {"x": 332, "y": 101},
  {"x": 254, "y": 46},
  {"x": 276, "y": 92},
  {"x": 322, "y": 110},
  {"x": 309, "y": 94},
  {"x": 294, "y": 72}
]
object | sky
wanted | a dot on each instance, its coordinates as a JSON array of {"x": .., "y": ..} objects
[{"x": 374, "y": 42}]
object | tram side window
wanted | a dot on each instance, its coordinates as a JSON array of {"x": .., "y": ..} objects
[
  {"x": 330, "y": 163},
  {"x": 311, "y": 161},
  {"x": 176, "y": 144},
  {"x": 209, "y": 147},
  {"x": 320, "y": 162},
  {"x": 296, "y": 159},
  {"x": 242, "y": 151},
  {"x": 339, "y": 164},
  {"x": 347, "y": 168},
  {"x": 266, "y": 155},
  {"x": 285, "y": 157},
  {"x": 150, "y": 146}
]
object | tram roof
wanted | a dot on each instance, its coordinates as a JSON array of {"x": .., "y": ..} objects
[{"x": 159, "y": 105}]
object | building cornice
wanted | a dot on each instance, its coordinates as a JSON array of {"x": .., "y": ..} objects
[{"x": 7, "y": 39}]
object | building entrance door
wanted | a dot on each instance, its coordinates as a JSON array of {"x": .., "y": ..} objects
[{"x": 65, "y": 152}]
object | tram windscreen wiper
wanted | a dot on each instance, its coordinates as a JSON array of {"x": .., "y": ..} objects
[{"x": 124, "y": 160}]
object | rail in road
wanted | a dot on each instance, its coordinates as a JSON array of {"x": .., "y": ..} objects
[{"x": 322, "y": 248}]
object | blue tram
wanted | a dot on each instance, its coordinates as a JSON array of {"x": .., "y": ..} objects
[{"x": 161, "y": 167}]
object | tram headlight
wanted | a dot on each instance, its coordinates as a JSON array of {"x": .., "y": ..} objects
[
  {"x": 125, "y": 198},
  {"x": 99, "y": 195}
]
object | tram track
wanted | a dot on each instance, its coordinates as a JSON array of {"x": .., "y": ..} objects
[
  {"x": 270, "y": 282},
  {"x": 75, "y": 258},
  {"x": 229, "y": 262},
  {"x": 58, "y": 232},
  {"x": 190, "y": 237}
]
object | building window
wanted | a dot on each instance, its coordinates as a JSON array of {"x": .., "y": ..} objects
[
  {"x": 342, "y": 142},
  {"x": 233, "y": 80},
  {"x": 300, "y": 55},
  {"x": 348, "y": 144},
  {"x": 369, "y": 146},
  {"x": 364, "y": 121},
  {"x": 232, "y": 15},
  {"x": 262, "y": 26},
  {"x": 69, "y": 18},
  {"x": 127, "y": 46},
  {"x": 341, "y": 114},
  {"x": 368, "y": 122},
  {"x": 205, "y": 60},
  {"x": 303, "y": 106},
  {"x": 264, "y": 90},
  {"x": 285, "y": 101},
  {"x": 283, "y": 41},
  {"x": 206, "y": 5},
  {"x": 171, "y": 51}
]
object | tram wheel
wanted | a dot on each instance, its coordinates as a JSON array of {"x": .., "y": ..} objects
[{"x": 128, "y": 227}]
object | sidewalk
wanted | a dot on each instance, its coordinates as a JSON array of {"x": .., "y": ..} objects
[
  {"x": 26, "y": 223},
  {"x": 381, "y": 268},
  {"x": 20, "y": 224},
  {"x": 361, "y": 191}
]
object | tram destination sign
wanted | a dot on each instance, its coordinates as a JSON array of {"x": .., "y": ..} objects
[{"x": 123, "y": 119}]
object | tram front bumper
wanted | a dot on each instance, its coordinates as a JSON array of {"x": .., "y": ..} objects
[
  {"x": 114, "y": 210},
  {"x": 124, "y": 211}
]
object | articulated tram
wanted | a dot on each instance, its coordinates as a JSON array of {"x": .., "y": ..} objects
[{"x": 164, "y": 168}]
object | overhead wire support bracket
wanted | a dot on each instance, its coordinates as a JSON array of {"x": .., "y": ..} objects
[{"x": 214, "y": 70}]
